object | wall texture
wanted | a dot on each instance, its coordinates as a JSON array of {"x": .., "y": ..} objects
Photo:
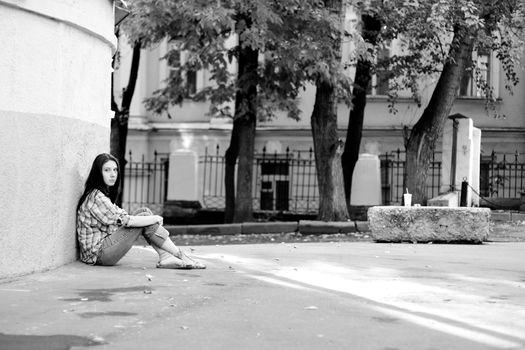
[{"x": 55, "y": 65}]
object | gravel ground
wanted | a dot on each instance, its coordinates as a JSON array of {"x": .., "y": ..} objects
[{"x": 508, "y": 232}]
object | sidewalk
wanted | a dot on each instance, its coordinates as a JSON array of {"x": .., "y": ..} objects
[{"x": 277, "y": 296}]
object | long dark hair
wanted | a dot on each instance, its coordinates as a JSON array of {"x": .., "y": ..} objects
[{"x": 95, "y": 181}]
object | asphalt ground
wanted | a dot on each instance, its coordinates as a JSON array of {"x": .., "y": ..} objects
[{"x": 296, "y": 295}]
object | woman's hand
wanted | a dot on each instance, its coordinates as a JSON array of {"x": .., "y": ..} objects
[{"x": 160, "y": 219}]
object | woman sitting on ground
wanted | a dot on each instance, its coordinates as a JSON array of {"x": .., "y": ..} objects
[{"x": 106, "y": 232}]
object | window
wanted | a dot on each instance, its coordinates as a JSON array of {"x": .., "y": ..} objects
[
  {"x": 480, "y": 72},
  {"x": 379, "y": 84},
  {"x": 175, "y": 59}
]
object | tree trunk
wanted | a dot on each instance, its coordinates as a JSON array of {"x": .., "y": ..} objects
[
  {"x": 119, "y": 123},
  {"x": 354, "y": 132},
  {"x": 241, "y": 147},
  {"x": 243, "y": 199},
  {"x": 230, "y": 158},
  {"x": 328, "y": 149},
  {"x": 424, "y": 135},
  {"x": 239, "y": 203},
  {"x": 327, "y": 145}
]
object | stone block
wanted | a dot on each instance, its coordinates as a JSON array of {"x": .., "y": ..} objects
[
  {"x": 314, "y": 227},
  {"x": 429, "y": 224},
  {"x": 268, "y": 227},
  {"x": 500, "y": 216},
  {"x": 226, "y": 229}
]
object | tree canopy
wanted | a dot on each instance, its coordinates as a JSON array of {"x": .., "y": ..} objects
[
  {"x": 439, "y": 39},
  {"x": 428, "y": 31},
  {"x": 291, "y": 36}
]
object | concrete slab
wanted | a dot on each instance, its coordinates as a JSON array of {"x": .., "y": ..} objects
[
  {"x": 362, "y": 226},
  {"x": 175, "y": 230},
  {"x": 313, "y": 227},
  {"x": 445, "y": 200},
  {"x": 500, "y": 216},
  {"x": 225, "y": 229},
  {"x": 268, "y": 227},
  {"x": 429, "y": 224}
]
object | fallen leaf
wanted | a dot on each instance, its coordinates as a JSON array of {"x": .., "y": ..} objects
[
  {"x": 98, "y": 339},
  {"x": 311, "y": 308}
]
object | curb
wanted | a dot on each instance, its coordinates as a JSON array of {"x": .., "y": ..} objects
[
  {"x": 306, "y": 227},
  {"x": 268, "y": 227},
  {"x": 323, "y": 227}
]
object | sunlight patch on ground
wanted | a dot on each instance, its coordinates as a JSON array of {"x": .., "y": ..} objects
[
  {"x": 277, "y": 282},
  {"x": 445, "y": 309}
]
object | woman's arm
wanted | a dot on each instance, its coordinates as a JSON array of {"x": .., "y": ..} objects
[{"x": 142, "y": 221}]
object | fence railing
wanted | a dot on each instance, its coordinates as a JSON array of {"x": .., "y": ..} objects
[
  {"x": 287, "y": 181},
  {"x": 281, "y": 182},
  {"x": 502, "y": 175},
  {"x": 393, "y": 172},
  {"x": 145, "y": 183}
]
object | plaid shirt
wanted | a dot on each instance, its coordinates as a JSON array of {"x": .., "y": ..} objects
[{"x": 97, "y": 218}]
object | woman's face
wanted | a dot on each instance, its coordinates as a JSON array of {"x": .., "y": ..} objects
[{"x": 110, "y": 172}]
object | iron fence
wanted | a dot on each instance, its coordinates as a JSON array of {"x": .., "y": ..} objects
[
  {"x": 393, "y": 172},
  {"x": 287, "y": 182},
  {"x": 502, "y": 175},
  {"x": 281, "y": 182},
  {"x": 145, "y": 183}
]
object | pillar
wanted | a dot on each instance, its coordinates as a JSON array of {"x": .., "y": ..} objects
[
  {"x": 460, "y": 157},
  {"x": 183, "y": 175},
  {"x": 366, "y": 181}
]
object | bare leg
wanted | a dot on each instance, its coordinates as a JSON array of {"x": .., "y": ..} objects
[
  {"x": 170, "y": 256},
  {"x": 171, "y": 248},
  {"x": 168, "y": 260}
]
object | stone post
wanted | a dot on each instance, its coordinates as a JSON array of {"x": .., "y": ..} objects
[
  {"x": 183, "y": 175},
  {"x": 460, "y": 157},
  {"x": 366, "y": 182},
  {"x": 182, "y": 200}
]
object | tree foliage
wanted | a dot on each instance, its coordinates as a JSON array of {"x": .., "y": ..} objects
[
  {"x": 292, "y": 39},
  {"x": 438, "y": 41},
  {"x": 289, "y": 35},
  {"x": 428, "y": 34}
]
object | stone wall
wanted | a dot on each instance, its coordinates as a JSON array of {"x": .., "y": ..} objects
[{"x": 55, "y": 65}]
